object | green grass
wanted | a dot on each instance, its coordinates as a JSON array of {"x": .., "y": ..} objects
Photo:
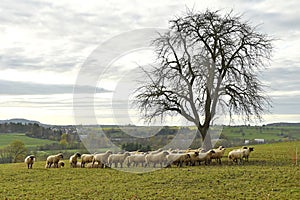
[
  {"x": 270, "y": 174},
  {"x": 6, "y": 139},
  {"x": 275, "y": 133}
]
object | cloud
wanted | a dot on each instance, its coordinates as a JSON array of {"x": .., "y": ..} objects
[
  {"x": 49, "y": 40},
  {"x": 22, "y": 88}
]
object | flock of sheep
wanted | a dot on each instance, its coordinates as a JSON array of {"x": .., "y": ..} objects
[{"x": 160, "y": 157}]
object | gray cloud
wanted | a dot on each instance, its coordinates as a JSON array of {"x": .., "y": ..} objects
[
  {"x": 59, "y": 35},
  {"x": 20, "y": 88}
]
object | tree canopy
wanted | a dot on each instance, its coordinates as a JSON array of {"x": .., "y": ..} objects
[{"x": 207, "y": 62}]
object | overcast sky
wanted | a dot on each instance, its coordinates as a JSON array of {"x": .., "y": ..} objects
[{"x": 44, "y": 44}]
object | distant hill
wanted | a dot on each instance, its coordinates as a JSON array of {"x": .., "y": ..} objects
[
  {"x": 22, "y": 121},
  {"x": 283, "y": 124}
]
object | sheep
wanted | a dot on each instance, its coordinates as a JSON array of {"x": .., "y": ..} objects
[
  {"x": 136, "y": 159},
  {"x": 60, "y": 164},
  {"x": 236, "y": 155},
  {"x": 206, "y": 157},
  {"x": 91, "y": 165},
  {"x": 193, "y": 158},
  {"x": 156, "y": 158},
  {"x": 177, "y": 158},
  {"x": 53, "y": 159},
  {"x": 86, "y": 158},
  {"x": 246, "y": 152},
  {"x": 78, "y": 164},
  {"x": 219, "y": 152},
  {"x": 117, "y": 158},
  {"x": 29, "y": 160},
  {"x": 102, "y": 158},
  {"x": 73, "y": 160}
]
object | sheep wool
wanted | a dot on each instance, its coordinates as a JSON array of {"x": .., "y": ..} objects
[{"x": 29, "y": 160}]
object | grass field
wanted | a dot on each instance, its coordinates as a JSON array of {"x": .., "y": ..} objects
[
  {"x": 270, "y": 174},
  {"x": 6, "y": 139}
]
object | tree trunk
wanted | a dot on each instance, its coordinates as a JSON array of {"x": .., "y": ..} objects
[{"x": 206, "y": 139}]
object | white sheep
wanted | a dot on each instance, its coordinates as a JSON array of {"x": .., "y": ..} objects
[
  {"x": 117, "y": 158},
  {"x": 73, "y": 160},
  {"x": 86, "y": 158},
  {"x": 78, "y": 164},
  {"x": 135, "y": 159},
  {"x": 219, "y": 153},
  {"x": 91, "y": 165},
  {"x": 237, "y": 155},
  {"x": 246, "y": 152},
  {"x": 60, "y": 164},
  {"x": 177, "y": 158},
  {"x": 53, "y": 159},
  {"x": 102, "y": 158},
  {"x": 193, "y": 158},
  {"x": 206, "y": 157},
  {"x": 29, "y": 160},
  {"x": 156, "y": 158}
]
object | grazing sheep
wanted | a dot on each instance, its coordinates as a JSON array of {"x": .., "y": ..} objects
[
  {"x": 136, "y": 159},
  {"x": 246, "y": 152},
  {"x": 177, "y": 158},
  {"x": 206, "y": 157},
  {"x": 193, "y": 159},
  {"x": 73, "y": 160},
  {"x": 53, "y": 159},
  {"x": 102, "y": 158},
  {"x": 61, "y": 164},
  {"x": 219, "y": 152},
  {"x": 117, "y": 158},
  {"x": 29, "y": 160},
  {"x": 86, "y": 158},
  {"x": 236, "y": 155},
  {"x": 78, "y": 164},
  {"x": 156, "y": 158},
  {"x": 91, "y": 165}
]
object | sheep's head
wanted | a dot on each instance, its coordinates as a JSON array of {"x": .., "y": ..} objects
[
  {"x": 60, "y": 155},
  {"x": 212, "y": 151},
  {"x": 165, "y": 153},
  {"x": 109, "y": 152},
  {"x": 127, "y": 154},
  {"x": 62, "y": 164},
  {"x": 78, "y": 155},
  {"x": 32, "y": 157},
  {"x": 196, "y": 153},
  {"x": 251, "y": 148}
]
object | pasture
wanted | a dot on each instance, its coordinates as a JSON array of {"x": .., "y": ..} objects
[
  {"x": 270, "y": 174},
  {"x": 7, "y": 138}
]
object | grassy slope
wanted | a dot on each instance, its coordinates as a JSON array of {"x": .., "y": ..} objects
[
  {"x": 270, "y": 174},
  {"x": 6, "y": 139}
]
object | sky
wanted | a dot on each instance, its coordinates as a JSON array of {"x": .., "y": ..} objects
[{"x": 46, "y": 45}]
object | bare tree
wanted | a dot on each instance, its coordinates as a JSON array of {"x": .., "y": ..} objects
[{"x": 207, "y": 62}]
